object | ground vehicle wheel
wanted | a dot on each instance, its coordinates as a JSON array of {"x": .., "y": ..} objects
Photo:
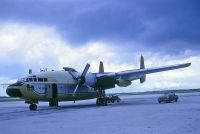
[
  {"x": 168, "y": 101},
  {"x": 33, "y": 107},
  {"x": 176, "y": 100},
  {"x": 118, "y": 100},
  {"x": 112, "y": 101},
  {"x": 159, "y": 102}
]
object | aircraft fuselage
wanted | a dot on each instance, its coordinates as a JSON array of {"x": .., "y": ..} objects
[{"x": 57, "y": 85}]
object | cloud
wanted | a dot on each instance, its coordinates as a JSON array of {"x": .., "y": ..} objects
[
  {"x": 170, "y": 26},
  {"x": 38, "y": 46}
]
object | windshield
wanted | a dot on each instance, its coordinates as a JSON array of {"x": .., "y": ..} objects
[
  {"x": 33, "y": 79},
  {"x": 23, "y": 80}
]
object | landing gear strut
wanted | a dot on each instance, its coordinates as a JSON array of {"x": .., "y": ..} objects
[
  {"x": 101, "y": 100},
  {"x": 53, "y": 103},
  {"x": 33, "y": 107}
]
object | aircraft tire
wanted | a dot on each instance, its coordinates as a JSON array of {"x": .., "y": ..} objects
[
  {"x": 104, "y": 102},
  {"x": 101, "y": 102},
  {"x": 33, "y": 107}
]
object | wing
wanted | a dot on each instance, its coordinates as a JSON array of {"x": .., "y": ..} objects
[
  {"x": 137, "y": 74},
  {"x": 124, "y": 78}
]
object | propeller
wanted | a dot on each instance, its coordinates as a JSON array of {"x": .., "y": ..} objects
[{"x": 80, "y": 79}]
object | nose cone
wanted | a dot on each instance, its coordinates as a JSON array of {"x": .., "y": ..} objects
[{"x": 13, "y": 92}]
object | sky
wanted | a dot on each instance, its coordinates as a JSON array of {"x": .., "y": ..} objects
[{"x": 55, "y": 33}]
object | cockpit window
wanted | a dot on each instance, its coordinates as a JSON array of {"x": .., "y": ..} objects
[
  {"x": 30, "y": 79},
  {"x": 35, "y": 79}
]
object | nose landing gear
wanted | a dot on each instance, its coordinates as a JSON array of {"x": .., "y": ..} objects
[{"x": 33, "y": 107}]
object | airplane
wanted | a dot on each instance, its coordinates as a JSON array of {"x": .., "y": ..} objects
[{"x": 70, "y": 85}]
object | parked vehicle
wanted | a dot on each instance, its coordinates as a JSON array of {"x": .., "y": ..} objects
[
  {"x": 113, "y": 99},
  {"x": 168, "y": 98}
]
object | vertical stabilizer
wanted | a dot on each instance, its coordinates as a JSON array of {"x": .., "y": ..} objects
[
  {"x": 101, "y": 68},
  {"x": 142, "y": 66}
]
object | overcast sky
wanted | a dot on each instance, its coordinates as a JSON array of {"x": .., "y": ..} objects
[{"x": 55, "y": 33}]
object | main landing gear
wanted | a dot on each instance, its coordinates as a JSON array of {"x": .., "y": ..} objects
[
  {"x": 101, "y": 102},
  {"x": 53, "y": 103}
]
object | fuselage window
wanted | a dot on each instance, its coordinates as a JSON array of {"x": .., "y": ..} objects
[
  {"x": 40, "y": 80},
  {"x": 30, "y": 79},
  {"x": 45, "y": 79},
  {"x": 61, "y": 89},
  {"x": 40, "y": 88}
]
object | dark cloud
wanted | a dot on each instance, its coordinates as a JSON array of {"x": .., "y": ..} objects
[{"x": 163, "y": 24}]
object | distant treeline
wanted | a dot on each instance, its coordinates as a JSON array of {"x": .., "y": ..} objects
[{"x": 161, "y": 92}]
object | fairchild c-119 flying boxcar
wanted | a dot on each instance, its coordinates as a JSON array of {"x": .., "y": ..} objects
[{"x": 70, "y": 85}]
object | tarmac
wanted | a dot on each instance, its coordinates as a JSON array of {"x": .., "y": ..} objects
[{"x": 139, "y": 114}]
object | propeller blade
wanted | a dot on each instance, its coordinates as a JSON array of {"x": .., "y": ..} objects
[
  {"x": 77, "y": 86},
  {"x": 90, "y": 88},
  {"x": 85, "y": 70},
  {"x": 73, "y": 75},
  {"x": 80, "y": 79}
]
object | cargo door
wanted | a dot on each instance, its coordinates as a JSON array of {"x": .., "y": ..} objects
[
  {"x": 54, "y": 91},
  {"x": 49, "y": 91}
]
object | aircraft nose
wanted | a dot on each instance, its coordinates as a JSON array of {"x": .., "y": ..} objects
[{"x": 13, "y": 91}]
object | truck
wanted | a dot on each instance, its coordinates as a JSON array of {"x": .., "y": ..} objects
[{"x": 168, "y": 98}]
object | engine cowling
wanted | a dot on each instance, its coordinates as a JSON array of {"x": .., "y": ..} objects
[{"x": 123, "y": 83}]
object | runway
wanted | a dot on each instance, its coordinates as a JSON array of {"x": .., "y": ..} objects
[{"x": 140, "y": 114}]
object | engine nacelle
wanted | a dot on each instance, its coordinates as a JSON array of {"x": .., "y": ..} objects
[{"x": 123, "y": 83}]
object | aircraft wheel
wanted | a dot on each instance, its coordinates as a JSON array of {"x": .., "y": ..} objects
[
  {"x": 33, "y": 107},
  {"x": 118, "y": 100},
  {"x": 104, "y": 102},
  {"x": 97, "y": 101},
  {"x": 101, "y": 101}
]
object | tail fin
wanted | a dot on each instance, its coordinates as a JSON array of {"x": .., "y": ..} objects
[
  {"x": 142, "y": 66},
  {"x": 101, "y": 68}
]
